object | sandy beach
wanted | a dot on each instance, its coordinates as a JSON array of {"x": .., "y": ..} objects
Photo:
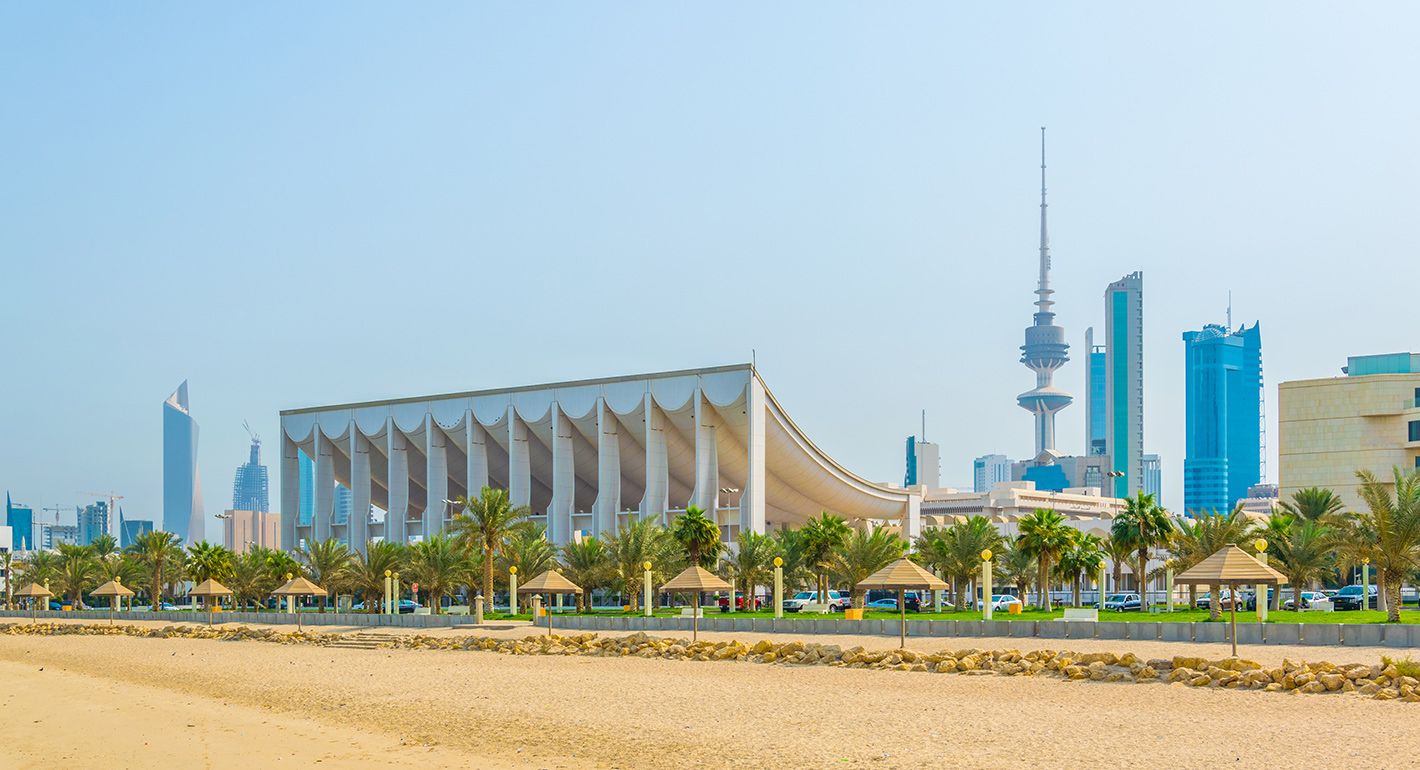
[{"x": 178, "y": 703}]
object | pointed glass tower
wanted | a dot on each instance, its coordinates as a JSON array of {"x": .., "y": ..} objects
[{"x": 182, "y": 486}]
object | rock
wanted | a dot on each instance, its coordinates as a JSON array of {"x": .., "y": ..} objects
[
  {"x": 1313, "y": 687},
  {"x": 1332, "y": 682},
  {"x": 947, "y": 666},
  {"x": 1146, "y": 674},
  {"x": 1385, "y": 695},
  {"x": 768, "y": 657},
  {"x": 1106, "y": 658},
  {"x": 1180, "y": 661},
  {"x": 1202, "y": 680},
  {"x": 1160, "y": 664},
  {"x": 1182, "y": 674}
]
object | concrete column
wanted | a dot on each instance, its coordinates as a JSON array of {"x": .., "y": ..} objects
[
  {"x": 435, "y": 444},
  {"x": 608, "y": 472},
  {"x": 477, "y": 440},
  {"x": 559, "y": 511},
  {"x": 324, "y": 493},
  {"x": 519, "y": 465},
  {"x": 290, "y": 491},
  {"x": 913, "y": 517},
  {"x": 653, "y": 505},
  {"x": 752, "y": 503},
  {"x": 357, "y": 530},
  {"x": 707, "y": 462},
  {"x": 398, "y": 515}
]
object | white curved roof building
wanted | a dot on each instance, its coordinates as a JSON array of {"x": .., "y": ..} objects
[{"x": 585, "y": 456}]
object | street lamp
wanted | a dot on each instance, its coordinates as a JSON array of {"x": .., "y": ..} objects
[
  {"x": 1260, "y": 591},
  {"x": 986, "y": 584}
]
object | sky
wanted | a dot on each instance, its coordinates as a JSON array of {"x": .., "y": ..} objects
[{"x": 298, "y": 205}]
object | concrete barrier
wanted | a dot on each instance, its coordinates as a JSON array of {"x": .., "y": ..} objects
[
  {"x": 1143, "y": 630},
  {"x": 1176, "y": 632},
  {"x": 969, "y": 627},
  {"x": 1023, "y": 628},
  {"x": 1050, "y": 629},
  {"x": 1085, "y": 629},
  {"x": 1401, "y": 636},
  {"x": 995, "y": 627},
  {"x": 1321, "y": 633},
  {"x": 1363, "y": 635},
  {"x": 1249, "y": 633},
  {"x": 1284, "y": 633},
  {"x": 1210, "y": 632},
  {"x": 1103, "y": 630}
]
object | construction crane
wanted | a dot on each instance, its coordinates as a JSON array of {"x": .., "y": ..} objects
[{"x": 113, "y": 498}]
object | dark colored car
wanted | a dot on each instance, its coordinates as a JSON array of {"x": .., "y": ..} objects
[{"x": 1349, "y": 598}]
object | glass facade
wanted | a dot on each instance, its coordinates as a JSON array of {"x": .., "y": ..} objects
[
  {"x": 1098, "y": 419},
  {"x": 182, "y": 488},
  {"x": 251, "y": 487},
  {"x": 21, "y": 521},
  {"x": 1223, "y": 440},
  {"x": 910, "y": 478},
  {"x": 306, "y": 469},
  {"x": 131, "y": 529},
  {"x": 93, "y": 521}
]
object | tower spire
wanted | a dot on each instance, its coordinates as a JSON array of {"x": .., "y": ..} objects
[
  {"x": 1045, "y": 349},
  {"x": 1044, "y": 292}
]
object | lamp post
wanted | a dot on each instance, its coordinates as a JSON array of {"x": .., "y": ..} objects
[
  {"x": 389, "y": 589},
  {"x": 394, "y": 594},
  {"x": 1366, "y": 583},
  {"x": 290, "y": 600},
  {"x": 1101, "y": 582},
  {"x": 646, "y": 588},
  {"x": 749, "y": 600},
  {"x": 513, "y": 590},
  {"x": 1261, "y": 589},
  {"x": 778, "y": 586},
  {"x": 986, "y": 584}
]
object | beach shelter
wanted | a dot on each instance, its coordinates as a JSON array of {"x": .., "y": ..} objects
[
  {"x": 298, "y": 587},
  {"x": 1231, "y": 566},
  {"x": 695, "y": 579},
  {"x": 210, "y": 590},
  {"x": 549, "y": 582},
  {"x": 902, "y": 575},
  {"x": 34, "y": 592},
  {"x": 114, "y": 590}
]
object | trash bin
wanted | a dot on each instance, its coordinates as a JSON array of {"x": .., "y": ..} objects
[
  {"x": 1014, "y": 608},
  {"x": 853, "y": 614}
]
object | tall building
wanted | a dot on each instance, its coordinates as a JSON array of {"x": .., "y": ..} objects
[
  {"x": 1223, "y": 415},
  {"x": 306, "y": 476},
  {"x": 344, "y": 502},
  {"x": 182, "y": 485},
  {"x": 129, "y": 530},
  {"x": 1096, "y": 422},
  {"x": 92, "y": 521},
  {"x": 1368, "y": 419},
  {"x": 251, "y": 487},
  {"x": 1152, "y": 481},
  {"x": 1124, "y": 381},
  {"x": 1045, "y": 349},
  {"x": 989, "y": 470},
  {"x": 54, "y": 534},
  {"x": 241, "y": 530},
  {"x": 21, "y": 521},
  {"x": 923, "y": 463}
]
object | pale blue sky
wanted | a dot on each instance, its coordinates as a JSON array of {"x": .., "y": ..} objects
[{"x": 295, "y": 205}]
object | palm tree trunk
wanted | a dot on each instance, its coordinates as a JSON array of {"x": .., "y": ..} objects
[
  {"x": 1392, "y": 595},
  {"x": 1075, "y": 592},
  {"x": 1143, "y": 580},
  {"x": 1215, "y": 603},
  {"x": 1042, "y": 597},
  {"x": 488, "y": 577}
]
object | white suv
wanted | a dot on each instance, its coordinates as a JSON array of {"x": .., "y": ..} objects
[{"x": 837, "y": 601}]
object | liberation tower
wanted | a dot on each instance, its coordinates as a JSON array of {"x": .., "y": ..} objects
[{"x": 1045, "y": 349}]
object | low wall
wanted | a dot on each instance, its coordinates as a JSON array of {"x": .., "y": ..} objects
[
  {"x": 266, "y": 618},
  {"x": 1371, "y": 634}
]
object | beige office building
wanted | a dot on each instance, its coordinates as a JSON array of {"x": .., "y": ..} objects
[
  {"x": 1368, "y": 419},
  {"x": 243, "y": 529}
]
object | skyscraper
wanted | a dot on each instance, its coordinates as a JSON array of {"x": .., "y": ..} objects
[
  {"x": 989, "y": 470},
  {"x": 1223, "y": 435},
  {"x": 92, "y": 521},
  {"x": 344, "y": 503},
  {"x": 923, "y": 463},
  {"x": 306, "y": 503},
  {"x": 130, "y": 529},
  {"x": 1124, "y": 382},
  {"x": 21, "y": 521},
  {"x": 1045, "y": 349},
  {"x": 1153, "y": 480},
  {"x": 1096, "y": 423},
  {"x": 182, "y": 485},
  {"x": 251, "y": 487}
]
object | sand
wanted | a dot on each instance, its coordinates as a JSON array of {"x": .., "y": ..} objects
[{"x": 171, "y": 703}]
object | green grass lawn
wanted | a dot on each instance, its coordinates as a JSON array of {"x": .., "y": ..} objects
[{"x": 1177, "y": 616}]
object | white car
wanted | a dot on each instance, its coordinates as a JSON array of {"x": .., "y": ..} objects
[
  {"x": 837, "y": 601},
  {"x": 1000, "y": 602}
]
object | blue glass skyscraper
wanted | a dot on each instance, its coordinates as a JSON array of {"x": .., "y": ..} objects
[
  {"x": 1223, "y": 439},
  {"x": 182, "y": 486},
  {"x": 306, "y": 504},
  {"x": 21, "y": 521},
  {"x": 250, "y": 488}
]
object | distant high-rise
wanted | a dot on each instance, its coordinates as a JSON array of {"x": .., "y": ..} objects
[
  {"x": 1152, "y": 482},
  {"x": 129, "y": 530},
  {"x": 1223, "y": 434},
  {"x": 1124, "y": 382},
  {"x": 55, "y": 534},
  {"x": 21, "y": 521},
  {"x": 923, "y": 463},
  {"x": 989, "y": 470},
  {"x": 251, "y": 487},
  {"x": 1045, "y": 349},
  {"x": 344, "y": 502},
  {"x": 306, "y": 505},
  {"x": 241, "y": 530},
  {"x": 182, "y": 485},
  {"x": 1096, "y": 422},
  {"x": 92, "y": 521}
]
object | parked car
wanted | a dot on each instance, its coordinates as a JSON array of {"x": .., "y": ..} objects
[
  {"x": 837, "y": 601},
  {"x": 913, "y": 604},
  {"x": 1307, "y": 598},
  {"x": 740, "y": 602},
  {"x": 1001, "y": 602},
  {"x": 916, "y": 600},
  {"x": 1205, "y": 600},
  {"x": 406, "y": 606},
  {"x": 165, "y": 607},
  {"x": 1349, "y": 598},
  {"x": 1250, "y": 599},
  {"x": 1126, "y": 602}
]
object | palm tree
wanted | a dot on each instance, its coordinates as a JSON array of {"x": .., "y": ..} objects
[
  {"x": 790, "y": 546},
  {"x": 365, "y": 572},
  {"x": 527, "y": 549},
  {"x": 160, "y": 554},
  {"x": 863, "y": 554},
  {"x": 1143, "y": 525},
  {"x": 640, "y": 541},
  {"x": 208, "y": 561},
  {"x": 40, "y": 567},
  {"x": 588, "y": 564},
  {"x": 1017, "y": 567},
  {"x": 484, "y": 526},
  {"x": 1305, "y": 550},
  {"x": 698, "y": 535},
  {"x": 1313, "y": 504},
  {"x": 820, "y": 538},
  {"x": 1393, "y": 522},
  {"x": 1118, "y": 552},
  {"x": 439, "y": 565},
  {"x": 752, "y": 563},
  {"x": 1085, "y": 556},
  {"x": 1204, "y": 536},
  {"x": 958, "y": 554},
  {"x": 7, "y": 566},
  {"x": 326, "y": 561},
  {"x": 1045, "y": 536},
  {"x": 104, "y": 546},
  {"x": 249, "y": 578},
  {"x": 77, "y": 570}
]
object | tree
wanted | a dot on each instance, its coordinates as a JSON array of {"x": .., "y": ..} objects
[
  {"x": 820, "y": 537},
  {"x": 1016, "y": 566},
  {"x": 956, "y": 552},
  {"x": 638, "y": 542},
  {"x": 1044, "y": 535},
  {"x": 752, "y": 564},
  {"x": 40, "y": 567},
  {"x": 698, "y": 535},
  {"x": 1144, "y": 525},
  {"x": 588, "y": 564},
  {"x": 326, "y": 561},
  {"x": 790, "y": 544},
  {"x": 527, "y": 549},
  {"x": 1313, "y": 504},
  {"x": 439, "y": 565},
  {"x": 1304, "y": 549},
  {"x": 365, "y": 572},
  {"x": 1085, "y": 556},
  {"x": 78, "y": 569},
  {"x": 7, "y": 565},
  {"x": 208, "y": 561},
  {"x": 1118, "y": 552},
  {"x": 1393, "y": 522},
  {"x": 863, "y": 554},
  {"x": 104, "y": 546},
  {"x": 250, "y": 578},
  {"x": 1207, "y": 534},
  {"x": 160, "y": 554},
  {"x": 484, "y": 526}
]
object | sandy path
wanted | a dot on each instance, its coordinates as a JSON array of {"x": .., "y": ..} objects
[{"x": 485, "y": 709}]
